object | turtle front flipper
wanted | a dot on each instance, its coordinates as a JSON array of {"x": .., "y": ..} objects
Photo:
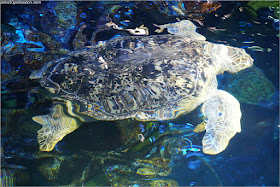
[
  {"x": 184, "y": 28},
  {"x": 222, "y": 112},
  {"x": 54, "y": 127}
]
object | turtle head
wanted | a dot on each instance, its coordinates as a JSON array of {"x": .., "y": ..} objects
[
  {"x": 238, "y": 59},
  {"x": 228, "y": 58}
]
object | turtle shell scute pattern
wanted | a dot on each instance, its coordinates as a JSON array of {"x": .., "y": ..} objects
[{"x": 131, "y": 74}]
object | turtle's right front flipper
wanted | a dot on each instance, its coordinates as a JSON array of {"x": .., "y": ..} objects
[
  {"x": 54, "y": 127},
  {"x": 223, "y": 115}
]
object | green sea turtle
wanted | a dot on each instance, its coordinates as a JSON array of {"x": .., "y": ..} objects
[
  {"x": 148, "y": 78},
  {"x": 251, "y": 86}
]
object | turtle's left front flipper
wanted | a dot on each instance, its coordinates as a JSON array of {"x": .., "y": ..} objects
[
  {"x": 54, "y": 127},
  {"x": 222, "y": 112}
]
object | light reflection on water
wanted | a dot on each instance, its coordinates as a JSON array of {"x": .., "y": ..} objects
[{"x": 229, "y": 26}]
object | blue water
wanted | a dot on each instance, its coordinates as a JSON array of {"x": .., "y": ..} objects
[{"x": 34, "y": 34}]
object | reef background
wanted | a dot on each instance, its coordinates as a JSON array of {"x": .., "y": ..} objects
[{"x": 110, "y": 153}]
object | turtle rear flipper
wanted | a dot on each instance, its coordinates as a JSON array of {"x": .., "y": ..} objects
[
  {"x": 223, "y": 116},
  {"x": 54, "y": 127}
]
